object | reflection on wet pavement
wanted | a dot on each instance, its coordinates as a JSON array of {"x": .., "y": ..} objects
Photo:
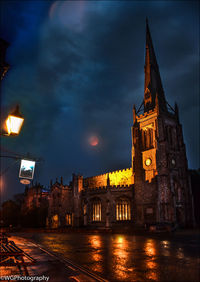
[
  {"x": 120, "y": 258},
  {"x": 95, "y": 242},
  {"x": 127, "y": 257},
  {"x": 151, "y": 265}
]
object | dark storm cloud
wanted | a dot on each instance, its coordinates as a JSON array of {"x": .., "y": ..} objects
[{"x": 79, "y": 68}]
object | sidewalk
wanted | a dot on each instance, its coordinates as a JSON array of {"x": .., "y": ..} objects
[{"x": 48, "y": 265}]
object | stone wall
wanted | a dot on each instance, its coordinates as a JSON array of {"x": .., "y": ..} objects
[{"x": 108, "y": 196}]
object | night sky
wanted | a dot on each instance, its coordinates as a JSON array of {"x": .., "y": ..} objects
[{"x": 77, "y": 68}]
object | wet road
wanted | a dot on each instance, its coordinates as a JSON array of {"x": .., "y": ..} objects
[{"x": 119, "y": 257}]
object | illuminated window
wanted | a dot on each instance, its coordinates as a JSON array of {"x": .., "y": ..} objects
[
  {"x": 55, "y": 218},
  {"x": 123, "y": 210},
  {"x": 144, "y": 139},
  {"x": 96, "y": 211},
  {"x": 68, "y": 219},
  {"x": 55, "y": 221},
  {"x": 85, "y": 210}
]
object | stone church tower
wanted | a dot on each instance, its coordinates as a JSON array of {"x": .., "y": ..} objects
[{"x": 162, "y": 187}]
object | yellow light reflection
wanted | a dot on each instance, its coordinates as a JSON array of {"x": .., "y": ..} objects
[
  {"x": 95, "y": 242},
  {"x": 165, "y": 245},
  {"x": 152, "y": 273},
  {"x": 150, "y": 248},
  {"x": 180, "y": 253},
  {"x": 120, "y": 240},
  {"x": 121, "y": 258},
  {"x": 151, "y": 264}
]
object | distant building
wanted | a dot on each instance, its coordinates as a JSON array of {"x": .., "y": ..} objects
[
  {"x": 35, "y": 197},
  {"x": 60, "y": 205},
  {"x": 155, "y": 189}
]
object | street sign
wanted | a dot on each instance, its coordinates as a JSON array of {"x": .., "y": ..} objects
[{"x": 27, "y": 169}]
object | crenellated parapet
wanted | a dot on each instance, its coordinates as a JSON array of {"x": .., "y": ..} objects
[
  {"x": 122, "y": 177},
  {"x": 103, "y": 188}
]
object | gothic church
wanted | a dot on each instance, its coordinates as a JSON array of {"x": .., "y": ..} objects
[{"x": 156, "y": 189}]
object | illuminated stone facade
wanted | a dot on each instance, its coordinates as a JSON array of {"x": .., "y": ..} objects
[
  {"x": 119, "y": 177},
  {"x": 155, "y": 189}
]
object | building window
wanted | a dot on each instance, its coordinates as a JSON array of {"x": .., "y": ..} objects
[
  {"x": 144, "y": 139},
  {"x": 123, "y": 210},
  {"x": 68, "y": 219},
  {"x": 147, "y": 138},
  {"x": 55, "y": 221},
  {"x": 171, "y": 136},
  {"x": 96, "y": 211},
  {"x": 85, "y": 210},
  {"x": 55, "y": 218}
]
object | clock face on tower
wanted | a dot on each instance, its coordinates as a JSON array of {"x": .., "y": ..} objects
[{"x": 148, "y": 162}]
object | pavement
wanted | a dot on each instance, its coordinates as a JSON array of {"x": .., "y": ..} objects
[{"x": 49, "y": 266}]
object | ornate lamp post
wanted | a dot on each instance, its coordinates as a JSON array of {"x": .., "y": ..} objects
[{"x": 15, "y": 119}]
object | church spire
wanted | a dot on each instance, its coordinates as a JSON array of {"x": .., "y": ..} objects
[{"x": 152, "y": 84}]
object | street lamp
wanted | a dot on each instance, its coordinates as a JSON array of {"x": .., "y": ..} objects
[{"x": 14, "y": 122}]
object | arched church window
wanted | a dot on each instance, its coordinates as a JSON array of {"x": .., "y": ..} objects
[
  {"x": 147, "y": 138},
  {"x": 144, "y": 139},
  {"x": 96, "y": 210},
  {"x": 123, "y": 210},
  {"x": 68, "y": 218},
  {"x": 151, "y": 137}
]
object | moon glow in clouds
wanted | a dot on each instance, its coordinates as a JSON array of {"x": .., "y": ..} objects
[{"x": 93, "y": 141}]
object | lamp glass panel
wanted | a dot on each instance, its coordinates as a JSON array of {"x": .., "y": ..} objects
[{"x": 14, "y": 124}]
